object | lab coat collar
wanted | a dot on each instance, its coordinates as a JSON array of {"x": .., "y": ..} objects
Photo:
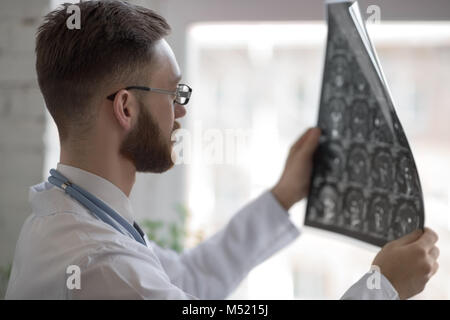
[{"x": 101, "y": 188}]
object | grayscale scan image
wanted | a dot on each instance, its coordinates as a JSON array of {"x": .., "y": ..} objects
[{"x": 365, "y": 183}]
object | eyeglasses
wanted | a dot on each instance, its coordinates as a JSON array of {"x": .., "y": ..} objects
[{"x": 182, "y": 94}]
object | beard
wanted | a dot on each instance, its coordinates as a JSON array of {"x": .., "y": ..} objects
[{"x": 146, "y": 146}]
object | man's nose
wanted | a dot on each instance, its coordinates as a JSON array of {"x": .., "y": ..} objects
[{"x": 180, "y": 111}]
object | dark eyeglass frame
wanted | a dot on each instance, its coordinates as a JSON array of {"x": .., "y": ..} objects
[{"x": 177, "y": 93}]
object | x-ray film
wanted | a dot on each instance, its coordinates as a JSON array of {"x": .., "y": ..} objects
[{"x": 365, "y": 183}]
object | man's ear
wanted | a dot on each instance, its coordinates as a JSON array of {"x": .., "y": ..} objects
[{"x": 125, "y": 109}]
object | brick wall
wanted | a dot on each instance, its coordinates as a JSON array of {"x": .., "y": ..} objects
[{"x": 22, "y": 118}]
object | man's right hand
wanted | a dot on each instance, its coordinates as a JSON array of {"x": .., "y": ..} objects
[{"x": 409, "y": 262}]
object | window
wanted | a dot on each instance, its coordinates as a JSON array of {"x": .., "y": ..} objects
[{"x": 261, "y": 82}]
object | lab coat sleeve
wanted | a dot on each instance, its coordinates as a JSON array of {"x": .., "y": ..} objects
[
  {"x": 368, "y": 288},
  {"x": 214, "y": 268}
]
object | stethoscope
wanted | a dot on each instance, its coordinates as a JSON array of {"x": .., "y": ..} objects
[{"x": 97, "y": 207}]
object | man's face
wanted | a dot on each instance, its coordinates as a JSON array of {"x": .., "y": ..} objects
[{"x": 149, "y": 143}]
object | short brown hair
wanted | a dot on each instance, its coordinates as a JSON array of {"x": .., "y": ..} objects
[{"x": 113, "y": 46}]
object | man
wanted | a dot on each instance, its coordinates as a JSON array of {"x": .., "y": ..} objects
[{"x": 109, "y": 131}]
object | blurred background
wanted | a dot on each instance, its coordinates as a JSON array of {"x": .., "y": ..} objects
[{"x": 256, "y": 68}]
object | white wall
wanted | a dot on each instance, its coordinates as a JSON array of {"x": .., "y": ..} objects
[{"x": 181, "y": 13}]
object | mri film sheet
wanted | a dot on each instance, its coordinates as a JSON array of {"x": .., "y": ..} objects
[{"x": 365, "y": 183}]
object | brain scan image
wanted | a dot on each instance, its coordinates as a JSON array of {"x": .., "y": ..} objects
[
  {"x": 339, "y": 72},
  {"x": 405, "y": 176},
  {"x": 327, "y": 205},
  {"x": 360, "y": 84},
  {"x": 364, "y": 183},
  {"x": 358, "y": 165},
  {"x": 405, "y": 220},
  {"x": 335, "y": 117},
  {"x": 399, "y": 134},
  {"x": 382, "y": 172},
  {"x": 379, "y": 213},
  {"x": 339, "y": 42},
  {"x": 354, "y": 208},
  {"x": 360, "y": 119},
  {"x": 381, "y": 131},
  {"x": 331, "y": 162}
]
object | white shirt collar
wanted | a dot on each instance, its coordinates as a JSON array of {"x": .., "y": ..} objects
[{"x": 101, "y": 188}]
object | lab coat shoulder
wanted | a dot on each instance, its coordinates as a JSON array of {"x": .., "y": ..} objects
[
  {"x": 114, "y": 271},
  {"x": 47, "y": 245},
  {"x": 60, "y": 234},
  {"x": 111, "y": 265},
  {"x": 214, "y": 268}
]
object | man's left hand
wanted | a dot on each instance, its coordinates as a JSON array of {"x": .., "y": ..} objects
[{"x": 293, "y": 185}]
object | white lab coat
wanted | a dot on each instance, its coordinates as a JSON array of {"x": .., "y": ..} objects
[{"x": 61, "y": 233}]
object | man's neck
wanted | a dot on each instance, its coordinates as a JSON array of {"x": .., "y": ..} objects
[{"x": 117, "y": 170}]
